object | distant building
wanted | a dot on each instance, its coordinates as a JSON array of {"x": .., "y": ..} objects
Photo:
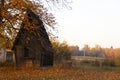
[{"x": 7, "y": 55}]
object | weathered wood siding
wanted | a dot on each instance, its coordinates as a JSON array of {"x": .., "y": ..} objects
[{"x": 2, "y": 55}]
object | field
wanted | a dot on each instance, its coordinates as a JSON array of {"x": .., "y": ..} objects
[{"x": 53, "y": 73}]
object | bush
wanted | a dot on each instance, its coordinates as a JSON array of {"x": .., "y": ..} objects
[
  {"x": 117, "y": 61},
  {"x": 109, "y": 62}
]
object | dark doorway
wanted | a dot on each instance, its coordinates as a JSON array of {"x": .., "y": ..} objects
[
  {"x": 26, "y": 52},
  {"x": 46, "y": 60}
]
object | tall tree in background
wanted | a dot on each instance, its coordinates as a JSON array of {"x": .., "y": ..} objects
[{"x": 12, "y": 13}]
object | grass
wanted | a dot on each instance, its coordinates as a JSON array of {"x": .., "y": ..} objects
[
  {"x": 93, "y": 66},
  {"x": 83, "y": 72}
]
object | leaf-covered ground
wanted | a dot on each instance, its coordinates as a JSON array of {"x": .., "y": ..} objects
[{"x": 12, "y": 73}]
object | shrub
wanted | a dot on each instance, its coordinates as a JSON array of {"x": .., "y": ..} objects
[{"x": 109, "y": 62}]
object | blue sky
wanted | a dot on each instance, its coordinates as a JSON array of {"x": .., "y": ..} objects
[{"x": 90, "y": 22}]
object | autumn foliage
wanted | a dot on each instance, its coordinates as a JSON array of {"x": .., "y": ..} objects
[{"x": 13, "y": 13}]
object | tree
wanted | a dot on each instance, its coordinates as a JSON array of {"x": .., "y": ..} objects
[
  {"x": 62, "y": 50},
  {"x": 13, "y": 12},
  {"x": 86, "y": 49}
]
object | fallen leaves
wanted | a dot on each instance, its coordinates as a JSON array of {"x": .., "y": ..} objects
[{"x": 12, "y": 73}]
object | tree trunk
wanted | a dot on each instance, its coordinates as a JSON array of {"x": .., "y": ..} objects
[{"x": 1, "y": 8}]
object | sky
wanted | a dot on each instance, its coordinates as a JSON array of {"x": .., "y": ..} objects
[{"x": 92, "y": 22}]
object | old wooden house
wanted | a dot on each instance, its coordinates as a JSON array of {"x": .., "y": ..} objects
[{"x": 32, "y": 43}]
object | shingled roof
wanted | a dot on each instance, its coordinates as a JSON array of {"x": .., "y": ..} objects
[{"x": 39, "y": 31}]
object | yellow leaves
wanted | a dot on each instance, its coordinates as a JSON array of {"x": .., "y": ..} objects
[
  {"x": 13, "y": 14},
  {"x": 2, "y": 40},
  {"x": 4, "y": 13},
  {"x": 20, "y": 4},
  {"x": 9, "y": 45},
  {"x": 28, "y": 26}
]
